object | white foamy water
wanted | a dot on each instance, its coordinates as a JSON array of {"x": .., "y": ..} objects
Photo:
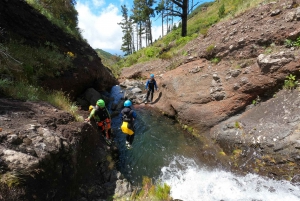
[{"x": 189, "y": 182}]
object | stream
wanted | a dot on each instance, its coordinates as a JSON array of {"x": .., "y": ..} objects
[{"x": 163, "y": 151}]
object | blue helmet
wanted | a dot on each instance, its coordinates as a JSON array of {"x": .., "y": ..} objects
[
  {"x": 127, "y": 103},
  {"x": 152, "y": 76}
]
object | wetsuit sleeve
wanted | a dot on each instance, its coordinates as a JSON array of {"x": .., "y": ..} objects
[
  {"x": 155, "y": 85},
  {"x": 134, "y": 114},
  {"x": 107, "y": 113},
  {"x": 92, "y": 113},
  {"x": 147, "y": 83}
]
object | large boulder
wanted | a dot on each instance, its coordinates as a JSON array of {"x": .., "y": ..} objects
[
  {"x": 46, "y": 155},
  {"x": 269, "y": 130}
]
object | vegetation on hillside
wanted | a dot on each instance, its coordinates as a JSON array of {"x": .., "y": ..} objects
[
  {"x": 109, "y": 60},
  {"x": 200, "y": 20},
  {"x": 61, "y": 13},
  {"x": 23, "y": 65}
]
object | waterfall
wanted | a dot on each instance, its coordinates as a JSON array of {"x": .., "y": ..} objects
[{"x": 189, "y": 182}]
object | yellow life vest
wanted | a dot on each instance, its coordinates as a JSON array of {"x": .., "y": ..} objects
[{"x": 125, "y": 128}]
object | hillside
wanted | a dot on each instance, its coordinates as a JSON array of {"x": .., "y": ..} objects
[
  {"x": 59, "y": 61},
  {"x": 215, "y": 90},
  {"x": 45, "y": 152},
  {"x": 109, "y": 61}
]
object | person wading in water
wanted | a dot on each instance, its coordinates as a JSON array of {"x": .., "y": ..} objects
[
  {"x": 150, "y": 85},
  {"x": 102, "y": 118},
  {"x": 128, "y": 116}
]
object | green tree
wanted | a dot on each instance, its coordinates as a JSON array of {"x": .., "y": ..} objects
[
  {"x": 126, "y": 25},
  {"x": 142, "y": 11},
  {"x": 181, "y": 9}
]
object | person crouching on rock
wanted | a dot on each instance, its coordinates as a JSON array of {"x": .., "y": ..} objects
[
  {"x": 128, "y": 116},
  {"x": 150, "y": 85},
  {"x": 102, "y": 118}
]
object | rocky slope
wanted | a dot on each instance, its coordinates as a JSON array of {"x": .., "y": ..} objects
[
  {"x": 46, "y": 155},
  {"x": 254, "y": 63}
]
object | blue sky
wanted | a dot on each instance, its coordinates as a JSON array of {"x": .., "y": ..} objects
[{"x": 98, "y": 20}]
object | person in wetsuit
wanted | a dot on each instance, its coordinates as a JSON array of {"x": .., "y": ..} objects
[
  {"x": 128, "y": 116},
  {"x": 150, "y": 85},
  {"x": 102, "y": 118}
]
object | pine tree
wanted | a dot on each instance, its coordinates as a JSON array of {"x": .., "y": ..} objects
[
  {"x": 142, "y": 12},
  {"x": 126, "y": 26},
  {"x": 181, "y": 10}
]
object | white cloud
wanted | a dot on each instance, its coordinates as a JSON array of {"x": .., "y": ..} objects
[
  {"x": 100, "y": 26},
  {"x": 102, "y": 30},
  {"x": 156, "y": 32},
  {"x": 98, "y": 3}
]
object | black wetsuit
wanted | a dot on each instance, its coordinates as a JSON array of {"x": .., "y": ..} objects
[
  {"x": 150, "y": 85},
  {"x": 101, "y": 115},
  {"x": 128, "y": 115}
]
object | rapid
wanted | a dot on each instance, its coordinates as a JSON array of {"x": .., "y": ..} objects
[{"x": 163, "y": 151}]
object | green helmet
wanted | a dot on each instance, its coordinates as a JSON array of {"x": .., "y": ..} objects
[{"x": 100, "y": 103}]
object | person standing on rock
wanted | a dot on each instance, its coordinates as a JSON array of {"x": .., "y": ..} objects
[
  {"x": 150, "y": 85},
  {"x": 128, "y": 116},
  {"x": 102, "y": 118}
]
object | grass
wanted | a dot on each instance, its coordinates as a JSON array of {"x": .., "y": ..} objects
[
  {"x": 25, "y": 91},
  {"x": 31, "y": 64},
  {"x": 25, "y": 66},
  {"x": 154, "y": 192},
  {"x": 11, "y": 179}
]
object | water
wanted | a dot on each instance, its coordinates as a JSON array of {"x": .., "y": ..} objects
[
  {"x": 163, "y": 151},
  {"x": 193, "y": 182}
]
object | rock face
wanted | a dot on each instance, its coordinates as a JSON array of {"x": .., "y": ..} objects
[
  {"x": 271, "y": 130},
  {"x": 253, "y": 61},
  {"x": 46, "y": 155},
  {"x": 238, "y": 62},
  {"x": 35, "y": 30}
]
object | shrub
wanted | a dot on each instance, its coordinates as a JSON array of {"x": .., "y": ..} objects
[
  {"x": 163, "y": 192},
  {"x": 184, "y": 53},
  {"x": 221, "y": 12},
  {"x": 215, "y": 60},
  {"x": 183, "y": 40},
  {"x": 297, "y": 42},
  {"x": 36, "y": 63},
  {"x": 210, "y": 49},
  {"x": 165, "y": 55},
  {"x": 5, "y": 83},
  {"x": 204, "y": 31},
  {"x": 288, "y": 43},
  {"x": 291, "y": 43},
  {"x": 290, "y": 82},
  {"x": 152, "y": 192},
  {"x": 151, "y": 51}
]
